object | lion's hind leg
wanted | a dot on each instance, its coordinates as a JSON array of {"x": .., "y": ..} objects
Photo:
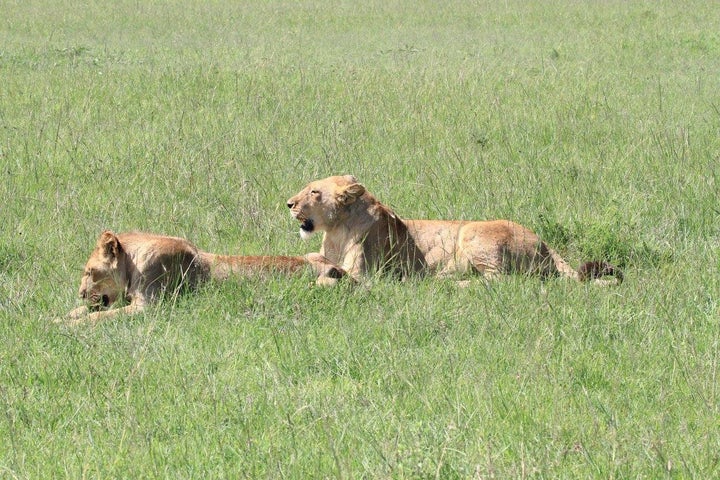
[{"x": 478, "y": 261}]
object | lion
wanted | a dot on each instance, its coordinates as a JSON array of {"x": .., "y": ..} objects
[
  {"x": 363, "y": 235},
  {"x": 138, "y": 268}
]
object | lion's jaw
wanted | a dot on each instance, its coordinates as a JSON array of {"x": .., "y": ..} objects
[
  {"x": 307, "y": 229},
  {"x": 99, "y": 292},
  {"x": 308, "y": 226}
]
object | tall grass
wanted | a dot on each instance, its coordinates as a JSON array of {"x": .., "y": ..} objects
[{"x": 596, "y": 124}]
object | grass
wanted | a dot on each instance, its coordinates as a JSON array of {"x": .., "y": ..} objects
[{"x": 594, "y": 124}]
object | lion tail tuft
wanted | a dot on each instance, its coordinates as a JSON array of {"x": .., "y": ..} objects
[{"x": 596, "y": 269}]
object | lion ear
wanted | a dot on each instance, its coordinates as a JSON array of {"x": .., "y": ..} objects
[
  {"x": 350, "y": 193},
  {"x": 109, "y": 244}
]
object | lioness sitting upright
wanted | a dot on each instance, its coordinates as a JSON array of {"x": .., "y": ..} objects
[
  {"x": 361, "y": 234},
  {"x": 139, "y": 267}
]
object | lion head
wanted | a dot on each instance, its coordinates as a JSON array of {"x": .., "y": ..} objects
[
  {"x": 321, "y": 204},
  {"x": 103, "y": 279}
]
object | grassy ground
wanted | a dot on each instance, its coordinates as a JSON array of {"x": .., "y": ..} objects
[{"x": 596, "y": 124}]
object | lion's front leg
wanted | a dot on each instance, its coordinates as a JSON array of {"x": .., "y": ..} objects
[
  {"x": 354, "y": 263},
  {"x": 76, "y": 315},
  {"x": 78, "y": 312},
  {"x": 323, "y": 267},
  {"x": 126, "y": 310},
  {"x": 328, "y": 274},
  {"x": 84, "y": 314},
  {"x": 350, "y": 261}
]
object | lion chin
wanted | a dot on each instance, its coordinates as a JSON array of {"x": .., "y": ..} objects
[{"x": 307, "y": 229}]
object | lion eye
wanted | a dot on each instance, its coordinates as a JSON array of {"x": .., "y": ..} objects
[{"x": 314, "y": 192}]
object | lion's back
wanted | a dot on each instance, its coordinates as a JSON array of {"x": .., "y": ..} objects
[{"x": 165, "y": 260}]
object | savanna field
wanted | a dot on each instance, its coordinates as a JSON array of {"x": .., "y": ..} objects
[{"x": 596, "y": 124}]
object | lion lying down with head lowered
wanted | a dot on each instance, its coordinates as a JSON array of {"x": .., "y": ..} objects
[
  {"x": 361, "y": 234},
  {"x": 139, "y": 267}
]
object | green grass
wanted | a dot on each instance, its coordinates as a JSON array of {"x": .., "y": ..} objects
[{"x": 596, "y": 124}]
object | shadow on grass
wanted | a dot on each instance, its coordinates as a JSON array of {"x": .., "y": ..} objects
[{"x": 609, "y": 239}]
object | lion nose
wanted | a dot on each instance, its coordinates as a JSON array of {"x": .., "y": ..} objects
[{"x": 290, "y": 204}]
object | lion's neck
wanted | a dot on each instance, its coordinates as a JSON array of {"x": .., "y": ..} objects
[
  {"x": 348, "y": 231},
  {"x": 335, "y": 244},
  {"x": 127, "y": 271},
  {"x": 370, "y": 234}
]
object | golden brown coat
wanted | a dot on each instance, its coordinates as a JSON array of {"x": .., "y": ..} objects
[
  {"x": 361, "y": 234},
  {"x": 139, "y": 267}
]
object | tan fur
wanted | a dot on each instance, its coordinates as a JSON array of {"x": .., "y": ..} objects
[
  {"x": 139, "y": 267},
  {"x": 361, "y": 234}
]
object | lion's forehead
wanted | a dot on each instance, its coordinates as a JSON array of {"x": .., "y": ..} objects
[
  {"x": 331, "y": 183},
  {"x": 323, "y": 186},
  {"x": 96, "y": 261}
]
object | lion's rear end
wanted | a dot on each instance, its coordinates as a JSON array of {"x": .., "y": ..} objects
[{"x": 500, "y": 247}]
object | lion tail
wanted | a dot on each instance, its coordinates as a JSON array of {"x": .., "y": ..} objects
[
  {"x": 596, "y": 269},
  {"x": 588, "y": 271},
  {"x": 224, "y": 266}
]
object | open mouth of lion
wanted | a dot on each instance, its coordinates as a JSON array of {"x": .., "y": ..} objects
[
  {"x": 307, "y": 225},
  {"x": 98, "y": 302}
]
